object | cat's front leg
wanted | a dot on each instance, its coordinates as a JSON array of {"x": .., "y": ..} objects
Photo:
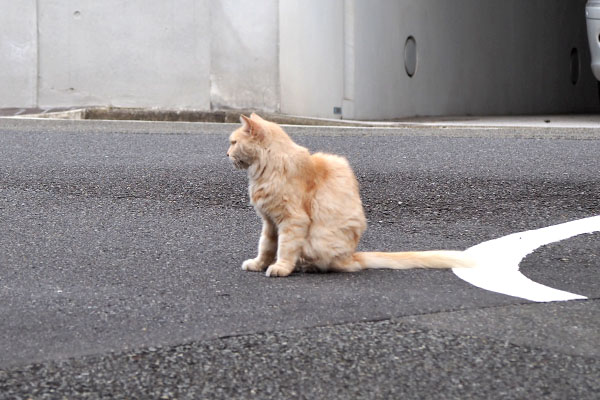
[
  {"x": 267, "y": 248},
  {"x": 292, "y": 236}
]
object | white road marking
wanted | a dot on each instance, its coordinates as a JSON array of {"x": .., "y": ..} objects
[{"x": 497, "y": 261}]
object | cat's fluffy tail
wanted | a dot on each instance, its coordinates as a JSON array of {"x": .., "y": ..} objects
[{"x": 413, "y": 259}]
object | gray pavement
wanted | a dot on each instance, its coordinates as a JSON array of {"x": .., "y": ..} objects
[{"x": 122, "y": 242}]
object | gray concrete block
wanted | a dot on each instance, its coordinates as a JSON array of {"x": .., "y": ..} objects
[
  {"x": 137, "y": 53},
  {"x": 18, "y": 54}
]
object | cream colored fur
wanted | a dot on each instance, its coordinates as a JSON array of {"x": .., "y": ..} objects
[{"x": 310, "y": 207}]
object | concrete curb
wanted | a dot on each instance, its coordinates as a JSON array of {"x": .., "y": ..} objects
[
  {"x": 221, "y": 116},
  {"x": 232, "y": 116}
]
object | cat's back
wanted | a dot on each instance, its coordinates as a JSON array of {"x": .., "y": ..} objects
[
  {"x": 334, "y": 172},
  {"x": 336, "y": 211}
]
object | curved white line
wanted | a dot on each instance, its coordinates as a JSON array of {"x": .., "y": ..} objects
[{"x": 497, "y": 261}]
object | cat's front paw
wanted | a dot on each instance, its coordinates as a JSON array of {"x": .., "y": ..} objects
[
  {"x": 279, "y": 269},
  {"x": 252, "y": 265}
]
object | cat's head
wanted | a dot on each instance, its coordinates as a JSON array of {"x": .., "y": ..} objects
[{"x": 247, "y": 142}]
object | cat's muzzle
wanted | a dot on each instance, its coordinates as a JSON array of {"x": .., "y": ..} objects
[{"x": 239, "y": 164}]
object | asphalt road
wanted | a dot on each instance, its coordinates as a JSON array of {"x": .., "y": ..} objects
[{"x": 121, "y": 245}]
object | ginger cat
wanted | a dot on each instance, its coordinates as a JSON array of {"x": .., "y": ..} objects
[{"x": 310, "y": 208}]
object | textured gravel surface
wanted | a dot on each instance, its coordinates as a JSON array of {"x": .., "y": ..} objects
[
  {"x": 121, "y": 245},
  {"x": 378, "y": 360}
]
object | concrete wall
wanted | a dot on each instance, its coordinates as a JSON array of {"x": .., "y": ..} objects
[
  {"x": 244, "y": 54},
  {"x": 190, "y": 54},
  {"x": 311, "y": 56},
  {"x": 132, "y": 53},
  {"x": 473, "y": 57},
  {"x": 306, "y": 57},
  {"x": 18, "y": 53}
]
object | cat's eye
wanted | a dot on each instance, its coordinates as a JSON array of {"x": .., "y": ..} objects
[{"x": 233, "y": 142}]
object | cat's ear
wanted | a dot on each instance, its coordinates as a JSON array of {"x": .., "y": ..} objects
[
  {"x": 256, "y": 117},
  {"x": 246, "y": 123},
  {"x": 251, "y": 127}
]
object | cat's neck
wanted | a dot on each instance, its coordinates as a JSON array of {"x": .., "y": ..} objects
[{"x": 278, "y": 162}]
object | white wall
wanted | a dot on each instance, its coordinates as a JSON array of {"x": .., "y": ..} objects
[
  {"x": 244, "y": 54},
  {"x": 133, "y": 53},
  {"x": 190, "y": 54},
  {"x": 474, "y": 57},
  {"x": 300, "y": 57},
  {"x": 18, "y": 54},
  {"x": 311, "y": 56}
]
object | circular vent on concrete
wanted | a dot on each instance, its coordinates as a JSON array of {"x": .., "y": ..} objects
[{"x": 410, "y": 56}]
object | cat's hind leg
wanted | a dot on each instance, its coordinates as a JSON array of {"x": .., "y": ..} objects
[
  {"x": 346, "y": 264},
  {"x": 267, "y": 248}
]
